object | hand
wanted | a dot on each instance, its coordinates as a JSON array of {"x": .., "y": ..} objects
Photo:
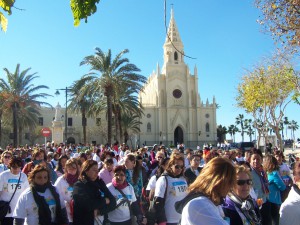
[{"x": 107, "y": 201}]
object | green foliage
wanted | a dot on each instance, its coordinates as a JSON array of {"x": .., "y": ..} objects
[
  {"x": 6, "y": 5},
  {"x": 82, "y": 9}
]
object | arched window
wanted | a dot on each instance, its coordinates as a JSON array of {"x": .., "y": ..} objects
[
  {"x": 148, "y": 127},
  {"x": 207, "y": 127},
  {"x": 175, "y": 56}
]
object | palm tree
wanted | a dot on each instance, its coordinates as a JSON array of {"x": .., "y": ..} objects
[
  {"x": 286, "y": 122},
  {"x": 81, "y": 102},
  {"x": 106, "y": 74},
  {"x": 293, "y": 126},
  {"x": 130, "y": 123},
  {"x": 232, "y": 130},
  {"x": 249, "y": 128},
  {"x": 125, "y": 102},
  {"x": 221, "y": 133},
  {"x": 18, "y": 93},
  {"x": 239, "y": 120}
]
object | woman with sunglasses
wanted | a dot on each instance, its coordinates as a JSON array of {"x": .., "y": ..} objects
[
  {"x": 276, "y": 185},
  {"x": 65, "y": 183},
  {"x": 5, "y": 158},
  {"x": 9, "y": 183},
  {"x": 170, "y": 188},
  {"x": 127, "y": 204},
  {"x": 91, "y": 196},
  {"x": 239, "y": 206}
]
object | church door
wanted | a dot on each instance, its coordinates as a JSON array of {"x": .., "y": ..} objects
[{"x": 178, "y": 136}]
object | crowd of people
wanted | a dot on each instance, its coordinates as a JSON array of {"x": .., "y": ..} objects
[{"x": 75, "y": 185}]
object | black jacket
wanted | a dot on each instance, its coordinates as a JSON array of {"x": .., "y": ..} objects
[
  {"x": 88, "y": 196},
  {"x": 190, "y": 176}
]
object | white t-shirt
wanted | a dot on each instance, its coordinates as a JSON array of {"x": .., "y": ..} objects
[
  {"x": 65, "y": 192},
  {"x": 8, "y": 183},
  {"x": 151, "y": 183},
  {"x": 177, "y": 190},
  {"x": 121, "y": 213},
  {"x": 27, "y": 209},
  {"x": 201, "y": 211}
]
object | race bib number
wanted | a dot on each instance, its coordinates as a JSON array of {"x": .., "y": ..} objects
[
  {"x": 180, "y": 188},
  {"x": 52, "y": 206},
  {"x": 13, "y": 184},
  {"x": 70, "y": 191}
]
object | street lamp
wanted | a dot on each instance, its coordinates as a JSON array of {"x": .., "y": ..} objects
[{"x": 66, "y": 111}]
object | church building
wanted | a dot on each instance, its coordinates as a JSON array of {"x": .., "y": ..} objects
[{"x": 173, "y": 110}]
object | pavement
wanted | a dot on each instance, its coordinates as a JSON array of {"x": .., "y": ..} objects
[{"x": 295, "y": 151}]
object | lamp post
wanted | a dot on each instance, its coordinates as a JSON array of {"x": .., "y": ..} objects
[{"x": 66, "y": 111}]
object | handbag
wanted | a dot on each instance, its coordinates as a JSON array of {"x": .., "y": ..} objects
[
  {"x": 4, "y": 205},
  {"x": 133, "y": 219}
]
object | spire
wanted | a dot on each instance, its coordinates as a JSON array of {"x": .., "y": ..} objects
[
  {"x": 173, "y": 46},
  {"x": 173, "y": 34}
]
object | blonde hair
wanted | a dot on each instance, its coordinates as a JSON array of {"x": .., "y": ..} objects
[
  {"x": 218, "y": 174},
  {"x": 243, "y": 169}
]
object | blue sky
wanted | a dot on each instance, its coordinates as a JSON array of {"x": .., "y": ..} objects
[{"x": 223, "y": 36}]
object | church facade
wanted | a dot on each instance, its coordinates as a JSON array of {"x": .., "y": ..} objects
[{"x": 173, "y": 110}]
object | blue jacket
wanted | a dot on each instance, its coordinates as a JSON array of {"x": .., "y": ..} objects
[{"x": 276, "y": 185}]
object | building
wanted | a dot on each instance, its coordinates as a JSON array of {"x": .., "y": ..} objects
[{"x": 173, "y": 110}]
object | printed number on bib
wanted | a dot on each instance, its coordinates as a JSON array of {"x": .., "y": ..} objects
[
  {"x": 180, "y": 188},
  {"x": 13, "y": 186}
]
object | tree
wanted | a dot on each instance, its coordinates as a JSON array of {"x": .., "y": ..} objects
[
  {"x": 293, "y": 126},
  {"x": 81, "y": 102},
  {"x": 249, "y": 128},
  {"x": 20, "y": 96},
  {"x": 107, "y": 75},
  {"x": 221, "y": 133},
  {"x": 239, "y": 120},
  {"x": 266, "y": 91},
  {"x": 131, "y": 124},
  {"x": 286, "y": 122},
  {"x": 232, "y": 130},
  {"x": 282, "y": 20}
]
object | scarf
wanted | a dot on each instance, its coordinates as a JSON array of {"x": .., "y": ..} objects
[
  {"x": 43, "y": 208},
  {"x": 245, "y": 209},
  {"x": 263, "y": 179},
  {"x": 119, "y": 186},
  {"x": 71, "y": 179}
]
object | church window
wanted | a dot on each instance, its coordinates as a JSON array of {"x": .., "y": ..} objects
[
  {"x": 148, "y": 127},
  {"x": 177, "y": 93},
  {"x": 175, "y": 56},
  {"x": 207, "y": 127},
  {"x": 148, "y": 115},
  {"x": 207, "y": 115}
]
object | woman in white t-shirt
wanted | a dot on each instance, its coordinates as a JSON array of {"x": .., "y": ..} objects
[
  {"x": 170, "y": 188},
  {"x": 40, "y": 203},
  {"x": 202, "y": 204},
  {"x": 9, "y": 183},
  {"x": 64, "y": 184},
  {"x": 127, "y": 204}
]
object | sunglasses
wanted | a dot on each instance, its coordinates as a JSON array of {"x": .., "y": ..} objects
[
  {"x": 7, "y": 157},
  {"x": 179, "y": 167},
  {"x": 159, "y": 157},
  {"x": 242, "y": 182}
]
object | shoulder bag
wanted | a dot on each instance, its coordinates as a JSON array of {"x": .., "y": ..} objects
[{"x": 4, "y": 205}]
